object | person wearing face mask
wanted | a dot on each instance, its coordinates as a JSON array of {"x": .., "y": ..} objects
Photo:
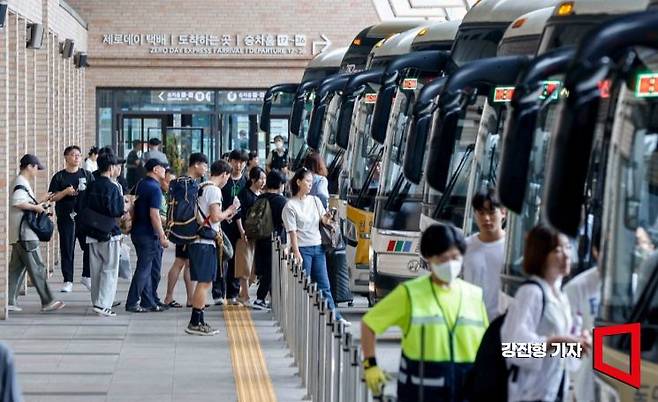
[
  {"x": 278, "y": 158},
  {"x": 442, "y": 318},
  {"x": 542, "y": 315}
]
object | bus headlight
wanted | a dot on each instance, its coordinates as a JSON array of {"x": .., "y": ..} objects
[{"x": 603, "y": 392}]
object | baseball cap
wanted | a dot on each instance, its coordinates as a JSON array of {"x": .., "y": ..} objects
[
  {"x": 29, "y": 159},
  {"x": 153, "y": 163}
]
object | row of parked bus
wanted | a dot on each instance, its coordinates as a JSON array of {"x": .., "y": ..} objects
[{"x": 553, "y": 103}]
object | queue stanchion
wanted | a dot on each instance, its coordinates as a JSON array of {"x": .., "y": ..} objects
[
  {"x": 333, "y": 357},
  {"x": 322, "y": 351},
  {"x": 305, "y": 330},
  {"x": 343, "y": 373},
  {"x": 313, "y": 344}
]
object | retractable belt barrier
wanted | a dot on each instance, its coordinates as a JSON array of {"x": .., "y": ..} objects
[{"x": 326, "y": 354}]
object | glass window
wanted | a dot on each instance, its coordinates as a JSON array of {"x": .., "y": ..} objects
[{"x": 104, "y": 105}]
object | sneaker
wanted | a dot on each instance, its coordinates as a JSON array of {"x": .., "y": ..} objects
[
  {"x": 345, "y": 322},
  {"x": 53, "y": 305},
  {"x": 233, "y": 301},
  {"x": 107, "y": 312},
  {"x": 260, "y": 305},
  {"x": 201, "y": 329},
  {"x": 220, "y": 301},
  {"x": 86, "y": 282},
  {"x": 136, "y": 309},
  {"x": 13, "y": 307},
  {"x": 67, "y": 288}
]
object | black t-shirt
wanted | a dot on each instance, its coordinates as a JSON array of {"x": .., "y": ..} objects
[
  {"x": 63, "y": 179},
  {"x": 230, "y": 190},
  {"x": 277, "y": 203},
  {"x": 247, "y": 200}
]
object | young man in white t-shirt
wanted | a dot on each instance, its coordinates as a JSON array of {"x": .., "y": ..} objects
[
  {"x": 203, "y": 253},
  {"x": 485, "y": 250}
]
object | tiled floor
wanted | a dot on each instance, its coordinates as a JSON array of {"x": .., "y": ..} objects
[{"x": 74, "y": 355}]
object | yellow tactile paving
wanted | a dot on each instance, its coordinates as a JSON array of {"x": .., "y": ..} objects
[{"x": 252, "y": 380}]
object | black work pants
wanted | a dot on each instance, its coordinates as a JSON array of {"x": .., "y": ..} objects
[
  {"x": 263, "y": 257},
  {"x": 67, "y": 236}
]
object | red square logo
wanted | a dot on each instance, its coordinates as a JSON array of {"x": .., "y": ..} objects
[{"x": 632, "y": 378}]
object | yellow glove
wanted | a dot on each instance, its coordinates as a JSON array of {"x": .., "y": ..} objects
[{"x": 374, "y": 376}]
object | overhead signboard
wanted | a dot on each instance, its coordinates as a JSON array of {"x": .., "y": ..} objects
[{"x": 182, "y": 96}]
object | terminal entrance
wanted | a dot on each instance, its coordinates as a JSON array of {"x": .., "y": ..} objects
[{"x": 186, "y": 121}]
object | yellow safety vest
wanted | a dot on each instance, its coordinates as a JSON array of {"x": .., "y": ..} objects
[{"x": 435, "y": 354}]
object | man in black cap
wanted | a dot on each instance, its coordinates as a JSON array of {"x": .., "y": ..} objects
[
  {"x": 149, "y": 239},
  {"x": 25, "y": 253},
  {"x": 65, "y": 187},
  {"x": 104, "y": 203},
  {"x": 154, "y": 151}
]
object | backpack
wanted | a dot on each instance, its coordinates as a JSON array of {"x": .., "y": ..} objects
[
  {"x": 40, "y": 223},
  {"x": 182, "y": 225},
  {"x": 258, "y": 223},
  {"x": 487, "y": 379}
]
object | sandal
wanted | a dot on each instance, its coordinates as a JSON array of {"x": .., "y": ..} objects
[
  {"x": 174, "y": 304},
  {"x": 190, "y": 306}
]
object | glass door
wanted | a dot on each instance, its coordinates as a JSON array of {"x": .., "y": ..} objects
[
  {"x": 135, "y": 131},
  {"x": 183, "y": 141}
]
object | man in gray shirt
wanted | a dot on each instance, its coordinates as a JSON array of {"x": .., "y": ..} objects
[{"x": 154, "y": 151}]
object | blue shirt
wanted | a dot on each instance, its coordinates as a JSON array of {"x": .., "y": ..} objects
[{"x": 148, "y": 196}]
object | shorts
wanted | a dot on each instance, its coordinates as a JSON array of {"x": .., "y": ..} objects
[
  {"x": 182, "y": 251},
  {"x": 203, "y": 262}
]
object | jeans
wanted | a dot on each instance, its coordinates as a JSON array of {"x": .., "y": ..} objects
[
  {"x": 67, "y": 236},
  {"x": 146, "y": 278},
  {"x": 26, "y": 257},
  {"x": 315, "y": 264},
  {"x": 104, "y": 264},
  {"x": 10, "y": 390}
]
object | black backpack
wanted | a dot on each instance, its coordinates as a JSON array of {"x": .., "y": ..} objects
[
  {"x": 487, "y": 379},
  {"x": 40, "y": 223},
  {"x": 258, "y": 223},
  {"x": 182, "y": 225}
]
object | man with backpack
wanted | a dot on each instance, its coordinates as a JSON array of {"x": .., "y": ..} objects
[
  {"x": 179, "y": 193},
  {"x": 263, "y": 219},
  {"x": 65, "y": 186},
  {"x": 227, "y": 285},
  {"x": 203, "y": 251},
  {"x": 149, "y": 238},
  {"x": 25, "y": 253},
  {"x": 443, "y": 319}
]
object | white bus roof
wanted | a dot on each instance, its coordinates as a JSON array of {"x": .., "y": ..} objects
[
  {"x": 389, "y": 27},
  {"x": 398, "y": 44},
  {"x": 328, "y": 58},
  {"x": 589, "y": 7},
  {"x": 492, "y": 11},
  {"x": 530, "y": 24},
  {"x": 441, "y": 32}
]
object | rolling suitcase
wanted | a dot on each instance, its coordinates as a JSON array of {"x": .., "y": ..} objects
[{"x": 339, "y": 279}]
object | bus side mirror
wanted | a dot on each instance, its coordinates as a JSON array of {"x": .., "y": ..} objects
[
  {"x": 518, "y": 138},
  {"x": 345, "y": 122},
  {"x": 315, "y": 127},
  {"x": 296, "y": 114},
  {"x": 441, "y": 149},
  {"x": 382, "y": 111},
  {"x": 415, "y": 148},
  {"x": 265, "y": 115}
]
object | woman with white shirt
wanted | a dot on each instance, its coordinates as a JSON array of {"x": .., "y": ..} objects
[
  {"x": 301, "y": 218},
  {"x": 541, "y": 315},
  {"x": 320, "y": 187}
]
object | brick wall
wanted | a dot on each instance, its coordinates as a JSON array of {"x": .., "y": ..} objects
[
  {"x": 41, "y": 107},
  {"x": 134, "y": 66}
]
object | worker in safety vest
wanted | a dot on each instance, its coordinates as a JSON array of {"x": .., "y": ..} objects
[{"x": 442, "y": 319}]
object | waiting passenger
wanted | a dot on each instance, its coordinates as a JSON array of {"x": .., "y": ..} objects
[
  {"x": 443, "y": 320},
  {"x": 320, "y": 187},
  {"x": 244, "y": 250},
  {"x": 91, "y": 164},
  {"x": 278, "y": 157},
  {"x": 301, "y": 217},
  {"x": 197, "y": 169},
  {"x": 25, "y": 253},
  {"x": 252, "y": 161},
  {"x": 485, "y": 251},
  {"x": 154, "y": 152},
  {"x": 542, "y": 315},
  {"x": 274, "y": 184},
  {"x": 103, "y": 204},
  {"x": 227, "y": 286},
  {"x": 10, "y": 390},
  {"x": 203, "y": 252},
  {"x": 135, "y": 164}
]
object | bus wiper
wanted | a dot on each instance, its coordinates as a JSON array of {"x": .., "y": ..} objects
[
  {"x": 371, "y": 175},
  {"x": 453, "y": 181},
  {"x": 491, "y": 176},
  {"x": 297, "y": 163},
  {"x": 394, "y": 192}
]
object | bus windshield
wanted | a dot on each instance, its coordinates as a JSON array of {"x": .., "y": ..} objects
[
  {"x": 630, "y": 259},
  {"x": 450, "y": 205},
  {"x": 476, "y": 43}
]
